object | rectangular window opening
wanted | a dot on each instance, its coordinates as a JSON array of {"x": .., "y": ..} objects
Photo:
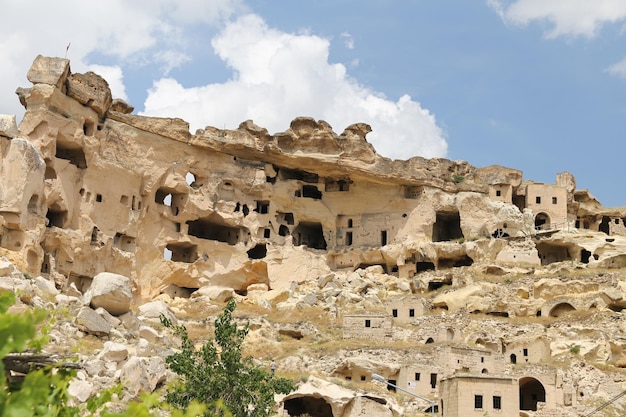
[
  {"x": 478, "y": 402},
  {"x": 497, "y": 402}
]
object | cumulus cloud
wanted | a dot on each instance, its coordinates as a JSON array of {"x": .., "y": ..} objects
[
  {"x": 138, "y": 31},
  {"x": 348, "y": 42},
  {"x": 618, "y": 69},
  {"x": 571, "y": 17},
  {"x": 278, "y": 76}
]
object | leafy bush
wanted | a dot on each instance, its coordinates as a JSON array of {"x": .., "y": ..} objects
[
  {"x": 43, "y": 392},
  {"x": 217, "y": 372}
]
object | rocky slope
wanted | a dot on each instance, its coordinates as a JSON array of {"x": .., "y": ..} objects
[{"x": 346, "y": 263}]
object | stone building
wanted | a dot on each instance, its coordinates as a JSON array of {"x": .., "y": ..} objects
[
  {"x": 467, "y": 395},
  {"x": 405, "y": 309},
  {"x": 366, "y": 325}
]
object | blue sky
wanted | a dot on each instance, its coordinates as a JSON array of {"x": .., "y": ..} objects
[{"x": 536, "y": 85}]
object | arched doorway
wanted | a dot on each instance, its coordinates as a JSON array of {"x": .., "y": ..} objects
[
  {"x": 531, "y": 392},
  {"x": 542, "y": 221},
  {"x": 560, "y": 309},
  {"x": 309, "y": 406}
]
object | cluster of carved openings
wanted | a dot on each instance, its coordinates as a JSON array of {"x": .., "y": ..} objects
[
  {"x": 340, "y": 185},
  {"x": 413, "y": 192},
  {"x": 71, "y": 152},
  {"x": 181, "y": 252},
  {"x": 258, "y": 252},
  {"x": 11, "y": 239},
  {"x": 56, "y": 216},
  {"x": 455, "y": 262},
  {"x": 168, "y": 197},
  {"x": 550, "y": 253},
  {"x": 424, "y": 266},
  {"x": 194, "y": 180},
  {"x": 309, "y": 191},
  {"x": 447, "y": 226},
  {"x": 291, "y": 174},
  {"x": 435, "y": 285},
  {"x": 309, "y": 234},
  {"x": 124, "y": 242},
  {"x": 135, "y": 204},
  {"x": 211, "y": 229},
  {"x": 308, "y": 406},
  {"x": 244, "y": 209},
  {"x": 284, "y": 218},
  {"x": 262, "y": 207}
]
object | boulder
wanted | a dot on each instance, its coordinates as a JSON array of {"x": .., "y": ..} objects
[
  {"x": 215, "y": 293},
  {"x": 8, "y": 126},
  {"x": 91, "y": 322},
  {"x": 154, "y": 310},
  {"x": 47, "y": 70},
  {"x": 112, "y": 351},
  {"x": 91, "y": 90},
  {"x": 141, "y": 374},
  {"x": 80, "y": 390},
  {"x": 110, "y": 291}
]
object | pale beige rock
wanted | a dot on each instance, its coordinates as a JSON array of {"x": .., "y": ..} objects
[
  {"x": 154, "y": 309},
  {"x": 110, "y": 291},
  {"x": 91, "y": 90},
  {"x": 46, "y": 70},
  {"x": 116, "y": 352},
  {"x": 8, "y": 126},
  {"x": 91, "y": 322},
  {"x": 80, "y": 390},
  {"x": 140, "y": 374},
  {"x": 215, "y": 293}
]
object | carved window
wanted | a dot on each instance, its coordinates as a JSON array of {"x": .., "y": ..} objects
[{"x": 478, "y": 402}]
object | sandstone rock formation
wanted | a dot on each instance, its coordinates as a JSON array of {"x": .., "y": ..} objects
[{"x": 472, "y": 271}]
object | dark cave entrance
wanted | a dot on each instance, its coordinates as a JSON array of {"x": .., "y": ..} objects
[{"x": 308, "y": 406}]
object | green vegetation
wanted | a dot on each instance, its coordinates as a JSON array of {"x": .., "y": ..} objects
[
  {"x": 217, "y": 374},
  {"x": 43, "y": 392},
  {"x": 215, "y": 380}
]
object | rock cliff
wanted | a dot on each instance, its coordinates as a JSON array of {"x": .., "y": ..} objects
[{"x": 449, "y": 260}]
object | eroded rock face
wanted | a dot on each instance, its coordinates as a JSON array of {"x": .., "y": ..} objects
[
  {"x": 88, "y": 187},
  {"x": 132, "y": 210}
]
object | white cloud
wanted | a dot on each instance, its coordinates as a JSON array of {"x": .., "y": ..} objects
[
  {"x": 568, "y": 17},
  {"x": 278, "y": 76},
  {"x": 348, "y": 42},
  {"x": 618, "y": 69},
  {"x": 125, "y": 31}
]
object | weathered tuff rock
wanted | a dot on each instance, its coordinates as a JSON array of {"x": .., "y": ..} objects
[
  {"x": 486, "y": 262},
  {"x": 112, "y": 292}
]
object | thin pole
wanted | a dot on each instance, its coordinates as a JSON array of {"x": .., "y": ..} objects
[{"x": 379, "y": 378}]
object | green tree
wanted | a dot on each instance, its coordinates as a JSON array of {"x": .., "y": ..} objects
[
  {"x": 218, "y": 371},
  {"x": 43, "y": 392}
]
